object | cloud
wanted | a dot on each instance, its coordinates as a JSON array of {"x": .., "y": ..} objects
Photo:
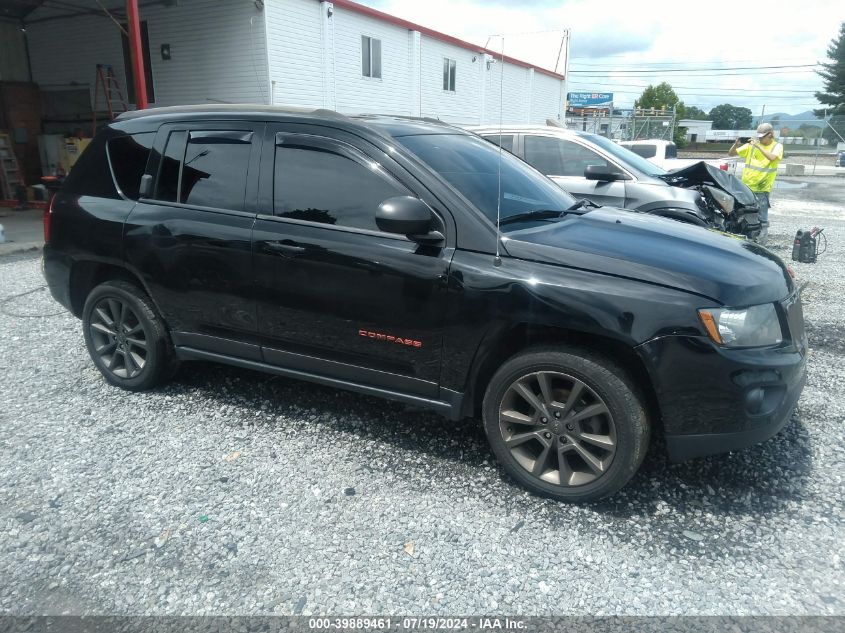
[
  {"x": 612, "y": 44},
  {"x": 597, "y": 44}
]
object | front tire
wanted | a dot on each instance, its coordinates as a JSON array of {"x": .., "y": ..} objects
[
  {"x": 126, "y": 337},
  {"x": 566, "y": 424}
]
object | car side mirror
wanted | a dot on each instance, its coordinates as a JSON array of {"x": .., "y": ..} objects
[
  {"x": 405, "y": 215},
  {"x": 604, "y": 172},
  {"x": 146, "y": 186}
]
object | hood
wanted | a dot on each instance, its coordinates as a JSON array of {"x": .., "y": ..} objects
[
  {"x": 702, "y": 173},
  {"x": 729, "y": 270}
]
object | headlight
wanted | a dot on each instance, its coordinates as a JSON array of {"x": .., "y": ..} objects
[
  {"x": 724, "y": 200},
  {"x": 750, "y": 327}
]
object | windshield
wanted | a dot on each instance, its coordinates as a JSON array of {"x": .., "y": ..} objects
[
  {"x": 625, "y": 156},
  {"x": 471, "y": 165}
]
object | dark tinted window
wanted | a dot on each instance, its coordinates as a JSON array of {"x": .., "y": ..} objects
[
  {"x": 215, "y": 169},
  {"x": 167, "y": 188},
  {"x": 128, "y": 156},
  {"x": 543, "y": 153},
  {"x": 646, "y": 151},
  {"x": 506, "y": 140},
  {"x": 321, "y": 185},
  {"x": 558, "y": 157},
  {"x": 91, "y": 175},
  {"x": 472, "y": 166},
  {"x": 205, "y": 168},
  {"x": 671, "y": 150}
]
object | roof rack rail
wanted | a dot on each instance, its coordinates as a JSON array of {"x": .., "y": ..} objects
[{"x": 229, "y": 107}]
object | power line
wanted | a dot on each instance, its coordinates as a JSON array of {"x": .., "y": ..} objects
[
  {"x": 689, "y": 70},
  {"x": 750, "y": 92},
  {"x": 639, "y": 65},
  {"x": 657, "y": 73}
]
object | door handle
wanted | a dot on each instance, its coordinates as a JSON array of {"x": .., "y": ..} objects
[{"x": 286, "y": 248}]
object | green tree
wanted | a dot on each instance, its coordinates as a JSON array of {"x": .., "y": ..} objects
[
  {"x": 730, "y": 117},
  {"x": 660, "y": 97},
  {"x": 833, "y": 73},
  {"x": 833, "y": 95},
  {"x": 810, "y": 130},
  {"x": 695, "y": 113}
]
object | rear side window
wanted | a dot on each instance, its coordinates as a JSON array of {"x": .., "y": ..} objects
[
  {"x": 543, "y": 153},
  {"x": 671, "y": 150},
  {"x": 167, "y": 188},
  {"x": 317, "y": 184},
  {"x": 561, "y": 157},
  {"x": 205, "y": 168},
  {"x": 505, "y": 141},
  {"x": 91, "y": 175},
  {"x": 128, "y": 157}
]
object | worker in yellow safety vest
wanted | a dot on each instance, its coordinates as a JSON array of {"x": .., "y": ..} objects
[{"x": 762, "y": 156}]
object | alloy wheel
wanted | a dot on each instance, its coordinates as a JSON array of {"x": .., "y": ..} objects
[
  {"x": 118, "y": 337},
  {"x": 557, "y": 428}
]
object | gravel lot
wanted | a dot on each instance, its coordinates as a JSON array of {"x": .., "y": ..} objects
[{"x": 232, "y": 492}]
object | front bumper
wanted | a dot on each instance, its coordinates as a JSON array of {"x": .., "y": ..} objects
[{"x": 715, "y": 400}]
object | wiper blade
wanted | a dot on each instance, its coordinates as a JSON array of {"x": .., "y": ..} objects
[
  {"x": 583, "y": 203},
  {"x": 537, "y": 214}
]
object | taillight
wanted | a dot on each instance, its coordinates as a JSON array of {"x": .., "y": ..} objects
[
  {"x": 48, "y": 219},
  {"x": 723, "y": 167}
]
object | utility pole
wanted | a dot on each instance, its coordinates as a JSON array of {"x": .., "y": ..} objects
[{"x": 133, "y": 22}]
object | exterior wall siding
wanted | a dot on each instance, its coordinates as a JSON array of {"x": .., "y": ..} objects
[
  {"x": 218, "y": 51},
  {"x": 295, "y": 52},
  {"x": 546, "y": 99},
  {"x": 460, "y": 106},
  {"x": 303, "y": 53},
  {"x": 392, "y": 93},
  {"x": 509, "y": 88}
]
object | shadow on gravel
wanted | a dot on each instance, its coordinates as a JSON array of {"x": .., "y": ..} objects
[
  {"x": 826, "y": 336},
  {"x": 760, "y": 480}
]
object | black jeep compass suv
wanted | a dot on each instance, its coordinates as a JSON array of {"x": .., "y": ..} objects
[{"x": 364, "y": 253}]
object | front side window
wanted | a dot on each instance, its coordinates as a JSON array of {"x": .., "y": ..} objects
[
  {"x": 370, "y": 57},
  {"x": 473, "y": 167},
  {"x": 316, "y": 183},
  {"x": 449, "y": 67},
  {"x": 205, "y": 168}
]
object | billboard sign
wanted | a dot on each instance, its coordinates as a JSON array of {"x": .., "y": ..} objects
[{"x": 590, "y": 99}]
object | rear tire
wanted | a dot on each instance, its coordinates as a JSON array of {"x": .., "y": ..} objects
[
  {"x": 126, "y": 337},
  {"x": 566, "y": 423}
]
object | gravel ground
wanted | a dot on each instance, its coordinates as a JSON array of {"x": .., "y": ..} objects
[{"x": 232, "y": 492}]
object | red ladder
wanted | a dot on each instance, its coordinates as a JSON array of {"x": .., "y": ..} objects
[{"x": 108, "y": 83}]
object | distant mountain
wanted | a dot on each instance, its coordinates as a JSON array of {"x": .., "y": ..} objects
[{"x": 790, "y": 120}]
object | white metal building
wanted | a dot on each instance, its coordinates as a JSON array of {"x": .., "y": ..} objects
[{"x": 339, "y": 55}]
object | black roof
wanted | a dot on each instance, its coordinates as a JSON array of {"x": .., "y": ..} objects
[{"x": 388, "y": 125}]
